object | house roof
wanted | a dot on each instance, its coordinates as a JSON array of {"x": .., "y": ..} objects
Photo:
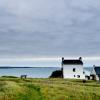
[
  {"x": 72, "y": 62},
  {"x": 97, "y": 70}
]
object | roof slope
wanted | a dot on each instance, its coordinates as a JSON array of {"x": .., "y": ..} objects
[
  {"x": 72, "y": 62},
  {"x": 97, "y": 70}
]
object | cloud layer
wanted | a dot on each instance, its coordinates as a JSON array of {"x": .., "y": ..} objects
[{"x": 49, "y": 28}]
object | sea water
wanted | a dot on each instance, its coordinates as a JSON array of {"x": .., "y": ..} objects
[{"x": 33, "y": 72}]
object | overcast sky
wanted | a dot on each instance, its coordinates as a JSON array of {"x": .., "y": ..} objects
[{"x": 49, "y": 28}]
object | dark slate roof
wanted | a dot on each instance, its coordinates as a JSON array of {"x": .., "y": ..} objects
[
  {"x": 72, "y": 62},
  {"x": 97, "y": 70}
]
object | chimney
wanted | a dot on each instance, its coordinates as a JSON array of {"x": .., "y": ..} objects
[
  {"x": 62, "y": 59},
  {"x": 80, "y": 58},
  {"x": 93, "y": 65}
]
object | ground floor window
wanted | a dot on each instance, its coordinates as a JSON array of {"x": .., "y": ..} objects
[{"x": 78, "y": 76}]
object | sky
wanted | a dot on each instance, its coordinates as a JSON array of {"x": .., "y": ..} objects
[{"x": 40, "y": 32}]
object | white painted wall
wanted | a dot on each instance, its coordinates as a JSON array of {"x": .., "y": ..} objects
[
  {"x": 68, "y": 71},
  {"x": 97, "y": 77},
  {"x": 93, "y": 72}
]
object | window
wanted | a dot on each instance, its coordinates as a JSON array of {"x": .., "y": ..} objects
[
  {"x": 74, "y": 69},
  {"x": 78, "y": 76},
  {"x": 83, "y": 72}
]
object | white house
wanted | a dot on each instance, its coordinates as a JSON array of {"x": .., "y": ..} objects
[
  {"x": 73, "y": 68},
  {"x": 95, "y": 74}
]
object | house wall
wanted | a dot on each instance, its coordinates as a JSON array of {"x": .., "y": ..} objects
[
  {"x": 94, "y": 73},
  {"x": 97, "y": 77},
  {"x": 68, "y": 71}
]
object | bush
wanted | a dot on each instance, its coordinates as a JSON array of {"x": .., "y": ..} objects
[{"x": 57, "y": 74}]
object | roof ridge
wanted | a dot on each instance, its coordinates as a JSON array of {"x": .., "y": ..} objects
[{"x": 72, "y": 61}]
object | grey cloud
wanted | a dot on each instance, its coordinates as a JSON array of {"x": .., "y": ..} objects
[{"x": 49, "y": 28}]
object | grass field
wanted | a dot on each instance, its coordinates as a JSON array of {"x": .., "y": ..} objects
[{"x": 48, "y": 89}]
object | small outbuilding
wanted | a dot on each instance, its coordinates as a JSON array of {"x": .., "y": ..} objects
[
  {"x": 87, "y": 75},
  {"x": 95, "y": 74}
]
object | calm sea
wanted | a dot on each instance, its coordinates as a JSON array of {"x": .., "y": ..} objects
[
  {"x": 33, "y": 72},
  {"x": 89, "y": 69}
]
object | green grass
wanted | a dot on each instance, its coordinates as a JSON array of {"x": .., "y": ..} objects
[{"x": 48, "y": 89}]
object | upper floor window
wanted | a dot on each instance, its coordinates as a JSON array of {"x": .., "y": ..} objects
[{"x": 74, "y": 69}]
